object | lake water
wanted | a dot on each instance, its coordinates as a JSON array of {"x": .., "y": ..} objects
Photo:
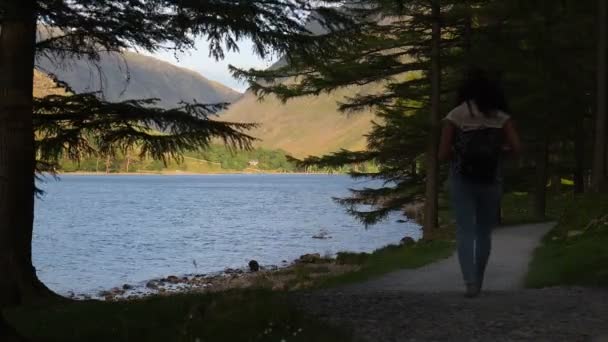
[{"x": 97, "y": 232}]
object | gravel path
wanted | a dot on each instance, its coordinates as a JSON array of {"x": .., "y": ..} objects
[
  {"x": 553, "y": 314},
  {"x": 511, "y": 252},
  {"x": 426, "y": 304}
]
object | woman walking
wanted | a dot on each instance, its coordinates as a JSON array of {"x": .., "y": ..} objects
[{"x": 476, "y": 135}]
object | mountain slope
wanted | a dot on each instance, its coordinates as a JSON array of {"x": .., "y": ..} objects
[
  {"x": 304, "y": 126},
  {"x": 135, "y": 76},
  {"x": 44, "y": 85}
]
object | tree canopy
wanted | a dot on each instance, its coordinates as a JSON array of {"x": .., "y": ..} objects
[
  {"x": 542, "y": 51},
  {"x": 77, "y": 125}
]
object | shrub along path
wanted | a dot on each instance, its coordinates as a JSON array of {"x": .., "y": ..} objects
[{"x": 427, "y": 303}]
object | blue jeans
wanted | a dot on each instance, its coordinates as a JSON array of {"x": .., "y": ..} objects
[{"x": 476, "y": 207}]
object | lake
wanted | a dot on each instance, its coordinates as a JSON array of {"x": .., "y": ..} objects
[{"x": 97, "y": 232}]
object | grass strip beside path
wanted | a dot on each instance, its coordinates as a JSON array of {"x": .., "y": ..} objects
[
  {"x": 386, "y": 260},
  {"x": 575, "y": 252}
]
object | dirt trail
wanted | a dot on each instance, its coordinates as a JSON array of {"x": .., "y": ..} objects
[
  {"x": 512, "y": 249},
  {"x": 427, "y": 304}
]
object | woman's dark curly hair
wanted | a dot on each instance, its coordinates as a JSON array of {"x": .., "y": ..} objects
[{"x": 485, "y": 91}]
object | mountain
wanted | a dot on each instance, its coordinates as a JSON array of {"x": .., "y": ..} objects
[
  {"x": 44, "y": 85},
  {"x": 304, "y": 126},
  {"x": 135, "y": 76}
]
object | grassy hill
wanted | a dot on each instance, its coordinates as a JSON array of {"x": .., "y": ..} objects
[
  {"x": 44, "y": 86},
  {"x": 304, "y": 126}
]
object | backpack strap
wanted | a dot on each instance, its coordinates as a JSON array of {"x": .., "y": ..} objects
[{"x": 470, "y": 108}]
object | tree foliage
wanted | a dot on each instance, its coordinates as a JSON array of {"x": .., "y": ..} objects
[
  {"x": 84, "y": 124},
  {"x": 390, "y": 47},
  {"x": 542, "y": 51}
]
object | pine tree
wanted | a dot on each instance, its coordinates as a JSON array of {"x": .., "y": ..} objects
[
  {"x": 599, "y": 153},
  {"x": 431, "y": 203},
  {"x": 532, "y": 46},
  {"x": 397, "y": 47},
  {"x": 536, "y": 45},
  {"x": 83, "y": 28}
]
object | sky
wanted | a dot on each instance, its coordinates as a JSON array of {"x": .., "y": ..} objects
[{"x": 200, "y": 61}]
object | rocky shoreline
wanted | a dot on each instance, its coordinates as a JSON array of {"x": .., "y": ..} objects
[{"x": 298, "y": 274}]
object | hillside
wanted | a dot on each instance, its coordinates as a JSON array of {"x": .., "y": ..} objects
[
  {"x": 44, "y": 85},
  {"x": 135, "y": 76},
  {"x": 304, "y": 126}
]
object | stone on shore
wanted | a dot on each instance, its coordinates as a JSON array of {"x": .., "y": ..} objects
[
  {"x": 173, "y": 279},
  {"x": 408, "y": 241},
  {"x": 254, "y": 266},
  {"x": 310, "y": 258}
]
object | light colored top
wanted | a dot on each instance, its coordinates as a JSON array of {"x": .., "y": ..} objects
[{"x": 461, "y": 117}]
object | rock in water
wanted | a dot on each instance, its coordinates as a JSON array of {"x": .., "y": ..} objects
[
  {"x": 254, "y": 266},
  {"x": 322, "y": 235}
]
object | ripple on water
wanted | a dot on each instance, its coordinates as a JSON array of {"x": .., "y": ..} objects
[{"x": 97, "y": 232}]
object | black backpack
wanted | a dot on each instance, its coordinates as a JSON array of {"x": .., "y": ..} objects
[{"x": 479, "y": 152}]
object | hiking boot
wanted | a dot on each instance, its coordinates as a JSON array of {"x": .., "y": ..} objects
[{"x": 473, "y": 290}]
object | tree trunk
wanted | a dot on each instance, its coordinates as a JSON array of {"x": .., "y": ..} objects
[
  {"x": 18, "y": 280},
  {"x": 107, "y": 164},
  {"x": 432, "y": 163},
  {"x": 599, "y": 154},
  {"x": 606, "y": 145},
  {"x": 16, "y": 152},
  {"x": 579, "y": 156},
  {"x": 468, "y": 32},
  {"x": 556, "y": 183},
  {"x": 8, "y": 333},
  {"x": 128, "y": 162},
  {"x": 540, "y": 192}
]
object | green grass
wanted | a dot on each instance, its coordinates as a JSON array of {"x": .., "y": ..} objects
[
  {"x": 575, "y": 252},
  {"x": 388, "y": 259},
  {"x": 264, "y": 315},
  {"x": 252, "y": 315},
  {"x": 517, "y": 207}
]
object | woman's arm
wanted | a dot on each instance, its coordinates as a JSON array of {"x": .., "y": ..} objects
[
  {"x": 512, "y": 137},
  {"x": 447, "y": 138}
]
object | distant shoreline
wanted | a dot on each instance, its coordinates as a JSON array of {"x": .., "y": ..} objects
[{"x": 174, "y": 173}]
